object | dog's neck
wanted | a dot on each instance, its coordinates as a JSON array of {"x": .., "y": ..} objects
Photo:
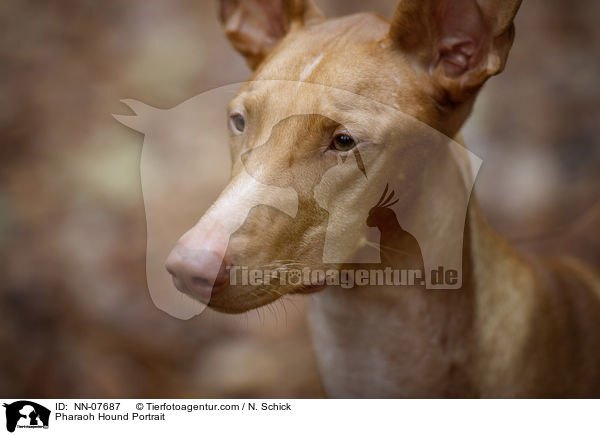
[{"x": 409, "y": 339}]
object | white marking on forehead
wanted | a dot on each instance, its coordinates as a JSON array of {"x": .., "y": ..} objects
[
  {"x": 397, "y": 80},
  {"x": 310, "y": 68}
]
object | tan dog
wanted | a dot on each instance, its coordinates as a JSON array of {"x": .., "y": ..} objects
[{"x": 521, "y": 325}]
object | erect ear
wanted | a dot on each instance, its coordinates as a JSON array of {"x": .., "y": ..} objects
[
  {"x": 254, "y": 27},
  {"x": 460, "y": 43}
]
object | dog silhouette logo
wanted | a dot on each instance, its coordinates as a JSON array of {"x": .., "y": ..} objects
[
  {"x": 195, "y": 187},
  {"x": 26, "y": 414}
]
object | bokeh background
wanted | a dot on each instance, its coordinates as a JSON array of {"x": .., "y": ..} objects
[{"x": 76, "y": 319}]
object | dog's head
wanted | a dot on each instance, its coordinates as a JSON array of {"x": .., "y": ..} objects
[{"x": 333, "y": 107}]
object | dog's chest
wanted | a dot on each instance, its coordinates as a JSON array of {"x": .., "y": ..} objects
[{"x": 371, "y": 343}]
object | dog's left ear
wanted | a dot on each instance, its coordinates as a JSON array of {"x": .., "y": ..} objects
[
  {"x": 254, "y": 27},
  {"x": 459, "y": 43}
]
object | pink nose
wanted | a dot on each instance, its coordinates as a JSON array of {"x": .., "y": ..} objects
[{"x": 197, "y": 272}]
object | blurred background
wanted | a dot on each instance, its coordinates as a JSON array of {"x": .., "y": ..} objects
[{"x": 76, "y": 319}]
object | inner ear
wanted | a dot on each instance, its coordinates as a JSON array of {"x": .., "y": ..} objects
[
  {"x": 462, "y": 36},
  {"x": 254, "y": 27},
  {"x": 459, "y": 43}
]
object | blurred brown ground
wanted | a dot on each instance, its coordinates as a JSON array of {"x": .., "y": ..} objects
[{"x": 76, "y": 319}]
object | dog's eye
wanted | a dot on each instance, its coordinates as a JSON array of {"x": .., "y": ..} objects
[
  {"x": 343, "y": 142},
  {"x": 238, "y": 123}
]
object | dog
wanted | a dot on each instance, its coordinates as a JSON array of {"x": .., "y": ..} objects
[{"x": 524, "y": 323}]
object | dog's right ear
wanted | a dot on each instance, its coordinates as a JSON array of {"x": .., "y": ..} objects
[{"x": 254, "y": 27}]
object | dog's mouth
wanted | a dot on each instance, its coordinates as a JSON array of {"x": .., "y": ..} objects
[
  {"x": 241, "y": 301},
  {"x": 199, "y": 288},
  {"x": 233, "y": 299}
]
